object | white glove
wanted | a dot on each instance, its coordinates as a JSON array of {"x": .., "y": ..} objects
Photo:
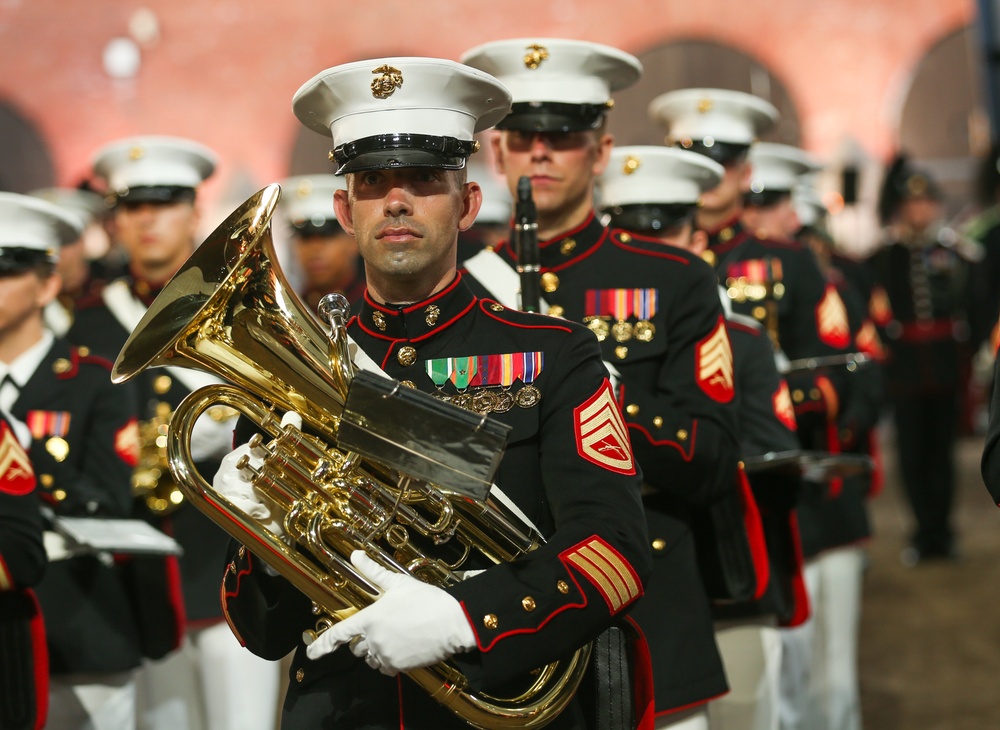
[
  {"x": 232, "y": 484},
  {"x": 211, "y": 439},
  {"x": 411, "y": 625}
]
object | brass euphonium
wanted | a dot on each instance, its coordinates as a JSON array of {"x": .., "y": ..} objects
[{"x": 230, "y": 311}]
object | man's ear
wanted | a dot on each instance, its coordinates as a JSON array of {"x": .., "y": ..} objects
[
  {"x": 497, "y": 148},
  {"x": 604, "y": 146},
  {"x": 699, "y": 242},
  {"x": 342, "y": 207},
  {"x": 49, "y": 290},
  {"x": 472, "y": 201}
]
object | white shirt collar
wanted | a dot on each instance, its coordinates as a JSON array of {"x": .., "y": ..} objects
[{"x": 25, "y": 364}]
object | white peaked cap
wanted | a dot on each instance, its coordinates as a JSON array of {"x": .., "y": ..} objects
[
  {"x": 779, "y": 167},
  {"x": 87, "y": 205},
  {"x": 656, "y": 175},
  {"x": 152, "y": 161},
  {"x": 722, "y": 115},
  {"x": 556, "y": 69},
  {"x": 309, "y": 198},
  {"x": 27, "y": 222},
  {"x": 394, "y": 97},
  {"x": 809, "y": 206}
]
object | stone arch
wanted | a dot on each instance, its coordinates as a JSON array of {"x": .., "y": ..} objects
[
  {"x": 25, "y": 162},
  {"x": 680, "y": 64}
]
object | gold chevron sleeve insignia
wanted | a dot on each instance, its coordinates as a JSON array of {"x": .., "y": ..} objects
[
  {"x": 714, "y": 365},
  {"x": 601, "y": 434},
  {"x": 16, "y": 475},
  {"x": 606, "y": 569}
]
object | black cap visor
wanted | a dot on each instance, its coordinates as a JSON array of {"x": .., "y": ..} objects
[
  {"x": 765, "y": 198},
  {"x": 162, "y": 194},
  {"x": 403, "y": 150},
  {"x": 651, "y": 218},
  {"x": 725, "y": 153},
  {"x": 551, "y": 116},
  {"x": 18, "y": 259}
]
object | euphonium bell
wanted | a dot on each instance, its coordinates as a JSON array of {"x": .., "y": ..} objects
[{"x": 230, "y": 312}]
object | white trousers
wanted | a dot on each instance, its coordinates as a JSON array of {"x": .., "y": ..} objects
[
  {"x": 751, "y": 655},
  {"x": 819, "y": 676},
  {"x": 92, "y": 701},
  {"x": 210, "y": 683},
  {"x": 696, "y": 719}
]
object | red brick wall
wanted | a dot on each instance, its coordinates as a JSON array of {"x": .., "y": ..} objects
[{"x": 223, "y": 72}]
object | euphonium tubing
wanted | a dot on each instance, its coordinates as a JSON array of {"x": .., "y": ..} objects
[{"x": 229, "y": 311}]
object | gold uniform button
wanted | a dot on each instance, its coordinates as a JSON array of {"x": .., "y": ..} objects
[
  {"x": 408, "y": 384},
  {"x": 659, "y": 543},
  {"x": 567, "y": 246},
  {"x": 161, "y": 384},
  {"x": 682, "y": 435},
  {"x": 632, "y": 409},
  {"x": 621, "y": 352},
  {"x": 727, "y": 234},
  {"x": 59, "y": 495},
  {"x": 798, "y": 395},
  {"x": 242, "y": 551},
  {"x": 556, "y": 311},
  {"x": 626, "y": 238},
  {"x": 406, "y": 356},
  {"x": 815, "y": 394},
  {"x": 46, "y": 480},
  {"x": 300, "y": 674},
  {"x": 529, "y": 603},
  {"x": 658, "y": 422},
  {"x": 83, "y": 351},
  {"x": 496, "y": 307},
  {"x": 62, "y": 365},
  {"x": 562, "y": 586},
  {"x": 490, "y": 621},
  {"x": 778, "y": 289},
  {"x": 759, "y": 313},
  {"x": 550, "y": 282}
]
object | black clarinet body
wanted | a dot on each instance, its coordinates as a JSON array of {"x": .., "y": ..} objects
[{"x": 524, "y": 239}]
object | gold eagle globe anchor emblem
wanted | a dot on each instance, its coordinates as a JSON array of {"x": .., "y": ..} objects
[
  {"x": 385, "y": 85},
  {"x": 535, "y": 55}
]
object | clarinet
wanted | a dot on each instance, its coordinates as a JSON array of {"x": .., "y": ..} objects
[{"x": 524, "y": 238}]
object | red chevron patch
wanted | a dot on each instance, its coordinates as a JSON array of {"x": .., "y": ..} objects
[
  {"x": 601, "y": 434},
  {"x": 831, "y": 319},
  {"x": 714, "y": 365},
  {"x": 16, "y": 475},
  {"x": 783, "y": 409}
]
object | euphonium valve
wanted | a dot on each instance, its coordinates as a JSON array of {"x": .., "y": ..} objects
[{"x": 341, "y": 482}]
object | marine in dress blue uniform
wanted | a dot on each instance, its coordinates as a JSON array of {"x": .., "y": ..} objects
[
  {"x": 660, "y": 325},
  {"x": 655, "y": 191},
  {"x": 24, "y": 673},
  {"x": 543, "y": 377},
  {"x": 152, "y": 182},
  {"x": 83, "y": 450}
]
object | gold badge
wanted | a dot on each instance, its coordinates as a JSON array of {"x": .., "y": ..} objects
[
  {"x": 556, "y": 311},
  {"x": 496, "y": 307},
  {"x": 567, "y": 246},
  {"x": 705, "y": 106},
  {"x": 484, "y": 401},
  {"x": 504, "y": 402},
  {"x": 136, "y": 153},
  {"x": 598, "y": 326},
  {"x": 385, "y": 85},
  {"x": 621, "y": 331},
  {"x": 406, "y": 356},
  {"x": 621, "y": 352},
  {"x": 379, "y": 319},
  {"x": 161, "y": 384},
  {"x": 631, "y": 165},
  {"x": 550, "y": 282},
  {"x": 644, "y": 330},
  {"x": 726, "y": 234},
  {"x": 535, "y": 55},
  {"x": 527, "y": 396},
  {"x": 431, "y": 315},
  {"x": 304, "y": 188},
  {"x": 58, "y": 448},
  {"x": 62, "y": 365}
]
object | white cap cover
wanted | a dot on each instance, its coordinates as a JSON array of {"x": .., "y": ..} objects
[
  {"x": 87, "y": 205},
  {"x": 656, "y": 175},
  {"x": 308, "y": 199},
  {"x": 30, "y": 224},
  {"x": 401, "y": 112},
  {"x": 153, "y": 162},
  {"x": 720, "y": 115},
  {"x": 779, "y": 167}
]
